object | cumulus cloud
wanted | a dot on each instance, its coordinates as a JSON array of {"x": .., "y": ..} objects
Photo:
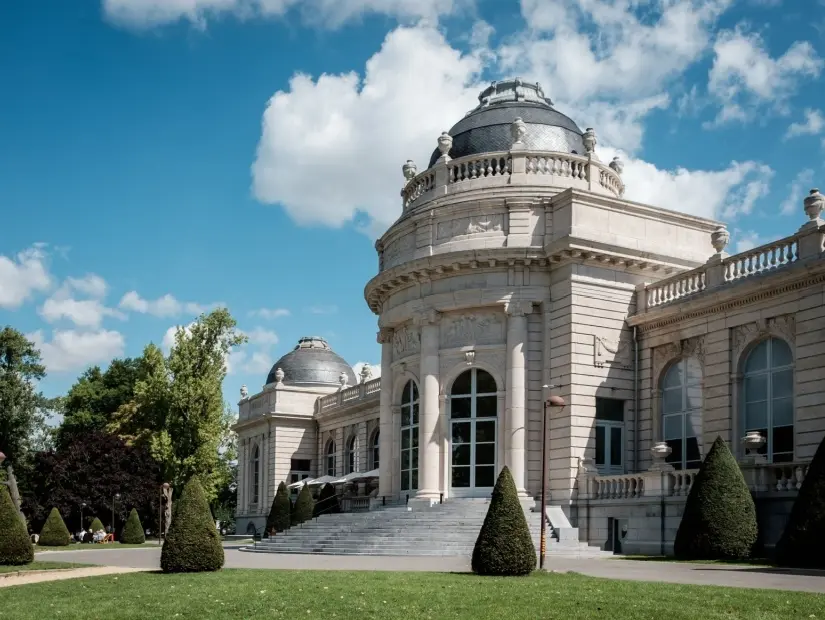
[
  {"x": 746, "y": 240},
  {"x": 261, "y": 337},
  {"x": 322, "y": 309},
  {"x": 270, "y": 313},
  {"x": 813, "y": 124},
  {"x": 23, "y": 275},
  {"x": 165, "y": 306},
  {"x": 75, "y": 350},
  {"x": 90, "y": 312},
  {"x": 797, "y": 190}
]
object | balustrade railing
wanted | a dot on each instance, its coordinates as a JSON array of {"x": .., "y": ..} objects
[
  {"x": 780, "y": 477},
  {"x": 350, "y": 395},
  {"x": 417, "y": 187},
  {"x": 681, "y": 481},
  {"x": 647, "y": 484},
  {"x": 618, "y": 487},
  {"x": 557, "y": 165},
  {"x": 475, "y": 167},
  {"x": 676, "y": 287},
  {"x": 759, "y": 260}
]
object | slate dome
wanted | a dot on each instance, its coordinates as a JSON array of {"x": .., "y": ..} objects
[
  {"x": 486, "y": 128},
  {"x": 312, "y": 362}
]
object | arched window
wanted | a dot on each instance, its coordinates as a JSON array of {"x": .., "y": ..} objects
[
  {"x": 352, "y": 455},
  {"x": 682, "y": 413},
  {"x": 409, "y": 437},
  {"x": 767, "y": 396},
  {"x": 473, "y": 411},
  {"x": 256, "y": 474},
  {"x": 374, "y": 451},
  {"x": 330, "y": 457}
]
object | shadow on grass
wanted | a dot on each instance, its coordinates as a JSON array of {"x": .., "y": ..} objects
[{"x": 755, "y": 562}]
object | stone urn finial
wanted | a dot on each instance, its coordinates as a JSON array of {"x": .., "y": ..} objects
[
  {"x": 244, "y": 391},
  {"x": 753, "y": 441},
  {"x": 410, "y": 170},
  {"x": 445, "y": 143},
  {"x": 343, "y": 379},
  {"x": 518, "y": 129},
  {"x": 589, "y": 140},
  {"x": 279, "y": 376},
  {"x": 719, "y": 239},
  {"x": 814, "y": 204},
  {"x": 617, "y": 165},
  {"x": 660, "y": 452},
  {"x": 366, "y": 373}
]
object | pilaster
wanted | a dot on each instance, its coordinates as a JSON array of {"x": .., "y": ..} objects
[
  {"x": 428, "y": 435},
  {"x": 515, "y": 420},
  {"x": 385, "y": 417}
]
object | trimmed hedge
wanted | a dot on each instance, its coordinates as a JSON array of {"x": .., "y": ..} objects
[
  {"x": 133, "y": 530},
  {"x": 192, "y": 544},
  {"x": 15, "y": 545},
  {"x": 504, "y": 545},
  {"x": 96, "y": 525},
  {"x": 719, "y": 521},
  {"x": 803, "y": 542},
  {"x": 327, "y": 501},
  {"x": 54, "y": 532},
  {"x": 304, "y": 506},
  {"x": 279, "y": 518}
]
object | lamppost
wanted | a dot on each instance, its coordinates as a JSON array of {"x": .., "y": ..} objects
[
  {"x": 557, "y": 402},
  {"x": 82, "y": 506},
  {"x": 116, "y": 497}
]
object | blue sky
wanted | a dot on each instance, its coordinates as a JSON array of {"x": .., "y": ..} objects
[{"x": 158, "y": 157}]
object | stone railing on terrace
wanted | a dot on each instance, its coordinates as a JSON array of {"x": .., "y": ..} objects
[
  {"x": 348, "y": 396},
  {"x": 630, "y": 486},
  {"x": 775, "y": 477}
]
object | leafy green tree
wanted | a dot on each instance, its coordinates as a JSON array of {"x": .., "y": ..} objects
[
  {"x": 279, "y": 515},
  {"x": 15, "y": 546},
  {"x": 54, "y": 532},
  {"x": 192, "y": 543},
  {"x": 719, "y": 521},
  {"x": 133, "y": 530},
  {"x": 96, "y": 525},
  {"x": 803, "y": 542},
  {"x": 304, "y": 506},
  {"x": 504, "y": 545}
]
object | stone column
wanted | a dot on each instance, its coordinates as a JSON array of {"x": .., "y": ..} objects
[
  {"x": 515, "y": 420},
  {"x": 428, "y": 435},
  {"x": 385, "y": 416},
  {"x": 241, "y": 509}
]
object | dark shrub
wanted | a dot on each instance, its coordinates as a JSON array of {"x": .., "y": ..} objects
[
  {"x": 54, "y": 532},
  {"x": 719, "y": 522},
  {"x": 133, "y": 530},
  {"x": 192, "y": 544},
  {"x": 15, "y": 545},
  {"x": 304, "y": 506},
  {"x": 504, "y": 545},
  {"x": 327, "y": 501},
  {"x": 96, "y": 525},
  {"x": 803, "y": 541},
  {"x": 279, "y": 517}
]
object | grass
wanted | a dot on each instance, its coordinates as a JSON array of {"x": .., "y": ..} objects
[
  {"x": 238, "y": 594},
  {"x": 40, "y": 566},
  {"x": 95, "y": 547},
  {"x": 663, "y": 558}
]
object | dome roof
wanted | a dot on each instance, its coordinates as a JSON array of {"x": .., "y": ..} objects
[
  {"x": 312, "y": 362},
  {"x": 486, "y": 128}
]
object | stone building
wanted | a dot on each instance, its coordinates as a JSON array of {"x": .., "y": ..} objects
[{"x": 517, "y": 269}]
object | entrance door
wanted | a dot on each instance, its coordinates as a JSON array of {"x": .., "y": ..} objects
[{"x": 473, "y": 409}]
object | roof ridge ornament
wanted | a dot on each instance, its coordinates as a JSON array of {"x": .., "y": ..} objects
[{"x": 512, "y": 90}]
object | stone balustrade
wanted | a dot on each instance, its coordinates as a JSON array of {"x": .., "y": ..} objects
[
  {"x": 759, "y": 260},
  {"x": 676, "y": 287},
  {"x": 616, "y": 487},
  {"x": 775, "y": 477},
  {"x": 349, "y": 396},
  {"x": 632, "y": 486}
]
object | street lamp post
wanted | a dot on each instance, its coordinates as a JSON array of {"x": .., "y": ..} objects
[
  {"x": 116, "y": 497},
  {"x": 556, "y": 402},
  {"x": 82, "y": 506}
]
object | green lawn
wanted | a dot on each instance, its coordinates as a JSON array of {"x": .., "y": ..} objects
[
  {"x": 253, "y": 594},
  {"x": 94, "y": 547},
  {"x": 40, "y": 566},
  {"x": 663, "y": 558}
]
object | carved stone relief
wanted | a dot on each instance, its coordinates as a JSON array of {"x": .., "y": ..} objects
[
  {"x": 405, "y": 341},
  {"x": 613, "y": 352},
  {"x": 398, "y": 250},
  {"x": 470, "y": 225},
  {"x": 691, "y": 347},
  {"x": 783, "y": 327},
  {"x": 475, "y": 328}
]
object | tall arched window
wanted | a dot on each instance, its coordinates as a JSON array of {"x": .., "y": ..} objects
[
  {"x": 767, "y": 395},
  {"x": 682, "y": 413},
  {"x": 330, "y": 457},
  {"x": 374, "y": 451},
  {"x": 256, "y": 474},
  {"x": 409, "y": 437},
  {"x": 473, "y": 411},
  {"x": 352, "y": 455}
]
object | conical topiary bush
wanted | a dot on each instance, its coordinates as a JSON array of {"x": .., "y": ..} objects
[
  {"x": 192, "y": 544},
  {"x": 304, "y": 506},
  {"x": 133, "y": 530},
  {"x": 15, "y": 546},
  {"x": 327, "y": 501},
  {"x": 54, "y": 532},
  {"x": 504, "y": 545},
  {"x": 719, "y": 521},
  {"x": 96, "y": 525},
  {"x": 802, "y": 543},
  {"x": 279, "y": 516}
]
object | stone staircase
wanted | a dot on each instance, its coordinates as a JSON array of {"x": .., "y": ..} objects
[{"x": 448, "y": 529}]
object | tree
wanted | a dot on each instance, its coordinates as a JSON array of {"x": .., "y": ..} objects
[
  {"x": 54, "y": 532},
  {"x": 327, "y": 501},
  {"x": 15, "y": 546},
  {"x": 133, "y": 530},
  {"x": 803, "y": 542},
  {"x": 719, "y": 521},
  {"x": 279, "y": 518},
  {"x": 304, "y": 506},
  {"x": 96, "y": 525},
  {"x": 504, "y": 545},
  {"x": 192, "y": 544}
]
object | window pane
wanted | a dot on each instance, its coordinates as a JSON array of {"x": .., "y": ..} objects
[
  {"x": 486, "y": 454},
  {"x": 673, "y": 377},
  {"x": 758, "y": 358},
  {"x": 756, "y": 388},
  {"x": 756, "y": 416},
  {"x": 694, "y": 396},
  {"x": 485, "y": 384},
  {"x": 783, "y": 444},
  {"x": 610, "y": 409},
  {"x": 461, "y": 454},
  {"x": 675, "y": 457},
  {"x": 405, "y": 481},
  {"x": 461, "y": 432},
  {"x": 780, "y": 353},
  {"x": 461, "y": 477},
  {"x": 782, "y": 412},
  {"x": 485, "y": 476},
  {"x": 462, "y": 384},
  {"x": 405, "y": 439},
  {"x": 600, "y": 447},
  {"x": 405, "y": 415},
  {"x": 414, "y": 458},
  {"x": 414, "y": 479},
  {"x": 486, "y": 406},
  {"x": 672, "y": 427},
  {"x": 405, "y": 395},
  {"x": 692, "y": 457},
  {"x": 405, "y": 459},
  {"x": 693, "y": 371},
  {"x": 415, "y": 413},
  {"x": 414, "y": 391},
  {"x": 782, "y": 383},
  {"x": 460, "y": 407},
  {"x": 672, "y": 401},
  {"x": 616, "y": 446},
  {"x": 693, "y": 424},
  {"x": 414, "y": 436},
  {"x": 485, "y": 431}
]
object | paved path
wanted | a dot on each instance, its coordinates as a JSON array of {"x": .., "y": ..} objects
[
  {"x": 741, "y": 576},
  {"x": 56, "y": 575}
]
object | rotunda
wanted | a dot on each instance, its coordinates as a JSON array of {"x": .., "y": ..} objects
[{"x": 311, "y": 363}]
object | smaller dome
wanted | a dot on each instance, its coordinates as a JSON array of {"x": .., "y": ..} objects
[{"x": 312, "y": 362}]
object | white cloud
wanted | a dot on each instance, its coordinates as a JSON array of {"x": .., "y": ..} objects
[
  {"x": 797, "y": 191},
  {"x": 745, "y": 78},
  {"x": 165, "y": 306},
  {"x": 746, "y": 240},
  {"x": 168, "y": 340},
  {"x": 322, "y": 309},
  {"x": 374, "y": 368},
  {"x": 22, "y": 276},
  {"x": 270, "y": 313},
  {"x": 255, "y": 363},
  {"x": 813, "y": 125},
  {"x": 261, "y": 337},
  {"x": 63, "y": 304},
  {"x": 91, "y": 284},
  {"x": 75, "y": 350}
]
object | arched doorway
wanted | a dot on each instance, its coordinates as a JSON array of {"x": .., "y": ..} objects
[{"x": 473, "y": 431}]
